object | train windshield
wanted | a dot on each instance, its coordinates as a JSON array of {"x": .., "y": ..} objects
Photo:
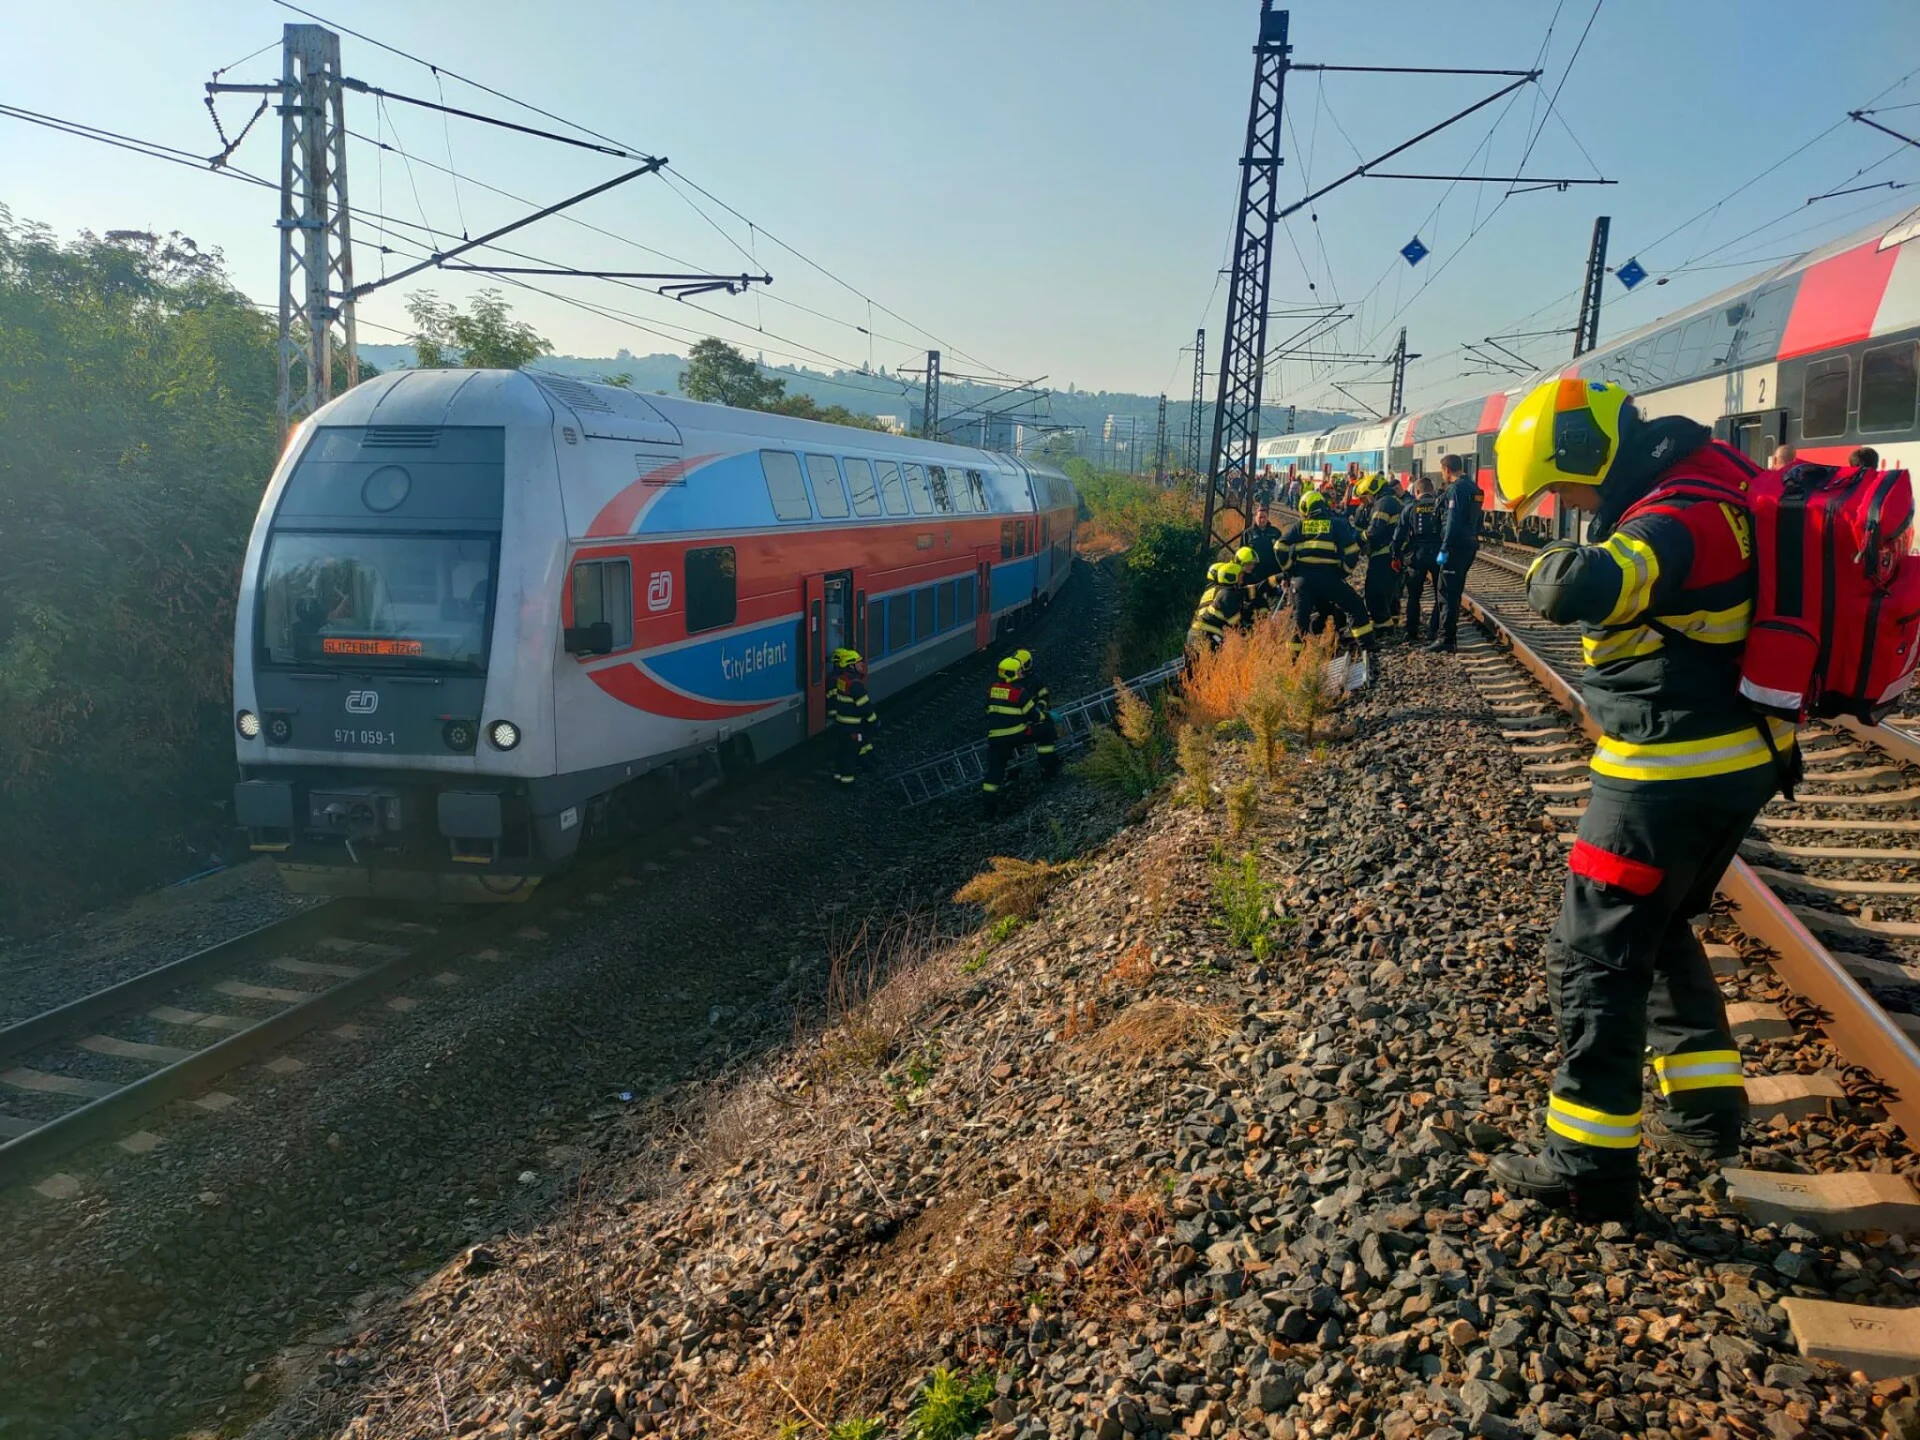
[{"x": 401, "y": 602}]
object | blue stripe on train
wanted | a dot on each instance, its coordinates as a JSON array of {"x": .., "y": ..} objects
[{"x": 737, "y": 667}]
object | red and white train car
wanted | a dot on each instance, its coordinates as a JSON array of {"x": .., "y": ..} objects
[
  {"x": 486, "y": 614},
  {"x": 1821, "y": 352}
]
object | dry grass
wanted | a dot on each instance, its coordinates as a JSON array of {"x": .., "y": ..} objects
[
  {"x": 946, "y": 1273},
  {"x": 1134, "y": 717},
  {"x": 1195, "y": 751},
  {"x": 1011, "y": 886},
  {"x": 552, "y": 1292},
  {"x": 1133, "y": 969},
  {"x": 1122, "y": 1229},
  {"x": 880, "y": 979},
  {"x": 1148, "y": 1029},
  {"x": 1262, "y": 679}
]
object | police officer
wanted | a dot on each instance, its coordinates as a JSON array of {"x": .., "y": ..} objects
[
  {"x": 850, "y": 711},
  {"x": 1259, "y": 537},
  {"x": 1663, "y": 593},
  {"x": 1046, "y": 734},
  {"x": 1012, "y": 714},
  {"x": 1219, "y": 607},
  {"x": 1417, "y": 547},
  {"x": 1315, "y": 553},
  {"x": 1459, "y": 543},
  {"x": 1383, "y": 567}
]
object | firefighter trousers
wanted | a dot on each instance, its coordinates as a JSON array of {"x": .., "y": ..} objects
[
  {"x": 1422, "y": 576},
  {"x": 1453, "y": 584},
  {"x": 1383, "y": 589},
  {"x": 1322, "y": 588},
  {"x": 1000, "y": 750},
  {"x": 850, "y": 744},
  {"x": 1626, "y": 972}
]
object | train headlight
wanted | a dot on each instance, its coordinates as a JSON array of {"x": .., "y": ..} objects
[
  {"x": 459, "y": 735},
  {"x": 279, "y": 729},
  {"x": 504, "y": 734},
  {"x": 248, "y": 724}
]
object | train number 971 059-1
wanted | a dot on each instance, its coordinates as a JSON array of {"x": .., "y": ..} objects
[{"x": 366, "y": 737}]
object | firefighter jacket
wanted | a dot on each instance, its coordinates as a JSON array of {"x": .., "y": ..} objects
[
  {"x": 1383, "y": 525},
  {"x": 1219, "y": 608},
  {"x": 1460, "y": 517},
  {"x": 1260, "y": 539},
  {"x": 1419, "y": 529},
  {"x": 1664, "y": 598},
  {"x": 1318, "y": 544},
  {"x": 1037, "y": 687},
  {"x": 1011, "y": 709},
  {"x": 849, "y": 704}
]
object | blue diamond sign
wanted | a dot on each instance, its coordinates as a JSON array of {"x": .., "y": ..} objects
[
  {"x": 1631, "y": 273},
  {"x": 1414, "y": 251}
]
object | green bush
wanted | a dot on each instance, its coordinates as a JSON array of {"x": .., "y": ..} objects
[
  {"x": 1244, "y": 902},
  {"x": 950, "y": 1406}
]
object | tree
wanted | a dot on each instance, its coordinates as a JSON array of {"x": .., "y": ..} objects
[
  {"x": 487, "y": 337},
  {"x": 720, "y": 375}
]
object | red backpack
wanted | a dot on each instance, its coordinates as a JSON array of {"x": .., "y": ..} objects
[{"x": 1836, "y": 613}]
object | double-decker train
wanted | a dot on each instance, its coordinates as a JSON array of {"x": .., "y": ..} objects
[
  {"x": 1822, "y": 352},
  {"x": 487, "y": 614}
]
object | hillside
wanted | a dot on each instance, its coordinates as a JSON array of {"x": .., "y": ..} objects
[{"x": 883, "y": 394}]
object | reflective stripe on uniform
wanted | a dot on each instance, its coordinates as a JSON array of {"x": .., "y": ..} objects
[
  {"x": 1709, "y": 627},
  {"x": 1592, "y": 1127},
  {"x": 1698, "y": 1070},
  {"x": 1741, "y": 749},
  {"x": 1639, "y": 569}
]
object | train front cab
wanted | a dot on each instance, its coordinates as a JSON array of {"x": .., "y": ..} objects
[{"x": 392, "y": 678}]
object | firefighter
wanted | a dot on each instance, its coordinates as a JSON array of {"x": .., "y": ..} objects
[
  {"x": 1219, "y": 606},
  {"x": 1012, "y": 714},
  {"x": 1663, "y": 593},
  {"x": 1383, "y": 566},
  {"x": 1315, "y": 553},
  {"x": 1257, "y": 588},
  {"x": 1417, "y": 547},
  {"x": 1459, "y": 543},
  {"x": 1046, "y": 733},
  {"x": 850, "y": 711}
]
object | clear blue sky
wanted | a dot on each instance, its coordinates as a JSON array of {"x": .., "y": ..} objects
[{"x": 1046, "y": 186}]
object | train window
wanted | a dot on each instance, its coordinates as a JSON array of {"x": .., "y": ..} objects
[
  {"x": 784, "y": 486},
  {"x": 943, "y": 603},
  {"x": 1666, "y": 347},
  {"x": 923, "y": 612},
  {"x": 899, "y": 623},
  {"x": 1696, "y": 340},
  {"x": 603, "y": 590},
  {"x": 712, "y": 598},
  {"x": 1887, "y": 386},
  {"x": 942, "y": 497},
  {"x": 892, "y": 491},
  {"x": 917, "y": 489},
  {"x": 977, "y": 485},
  {"x": 957, "y": 488},
  {"x": 828, "y": 493},
  {"x": 1758, "y": 338},
  {"x": 964, "y": 587},
  {"x": 866, "y": 499},
  {"x": 876, "y": 631},
  {"x": 1823, "y": 402}
]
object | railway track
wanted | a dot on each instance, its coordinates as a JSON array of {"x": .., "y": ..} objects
[{"x": 1825, "y": 882}]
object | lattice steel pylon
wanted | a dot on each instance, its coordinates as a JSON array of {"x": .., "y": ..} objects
[
  {"x": 1586, "y": 330},
  {"x": 316, "y": 245},
  {"x": 1160, "y": 446},
  {"x": 1195, "y": 461},
  {"x": 1236, "y": 418},
  {"x": 930, "y": 399}
]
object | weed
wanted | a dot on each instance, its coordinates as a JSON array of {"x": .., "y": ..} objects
[
  {"x": 1244, "y": 903},
  {"x": 552, "y": 1292},
  {"x": 1013, "y": 888},
  {"x": 1196, "y": 762},
  {"x": 868, "y": 1428},
  {"x": 1132, "y": 757},
  {"x": 1134, "y": 968},
  {"x": 950, "y": 1406},
  {"x": 1243, "y": 803},
  {"x": 908, "y": 1083}
]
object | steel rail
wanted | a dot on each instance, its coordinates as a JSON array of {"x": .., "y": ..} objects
[
  {"x": 1858, "y": 1027},
  {"x": 102, "y": 1118},
  {"x": 43, "y": 1029}
]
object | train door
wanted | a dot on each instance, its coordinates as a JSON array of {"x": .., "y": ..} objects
[
  {"x": 828, "y": 625},
  {"x": 983, "y": 558},
  {"x": 1756, "y": 434}
]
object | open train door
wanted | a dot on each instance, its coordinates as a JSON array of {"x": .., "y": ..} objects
[
  {"x": 983, "y": 558},
  {"x": 826, "y": 623}
]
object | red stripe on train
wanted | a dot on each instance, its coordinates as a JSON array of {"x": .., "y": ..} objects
[
  {"x": 1837, "y": 300},
  {"x": 631, "y": 685},
  {"x": 618, "y": 515},
  {"x": 1491, "y": 410}
]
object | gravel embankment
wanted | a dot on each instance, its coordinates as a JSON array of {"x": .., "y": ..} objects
[
  {"x": 1148, "y": 1186},
  {"x": 178, "y": 1289}
]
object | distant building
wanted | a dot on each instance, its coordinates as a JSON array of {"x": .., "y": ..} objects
[{"x": 894, "y": 424}]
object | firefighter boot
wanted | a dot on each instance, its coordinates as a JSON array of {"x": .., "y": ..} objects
[
  {"x": 1713, "y": 1139},
  {"x": 1595, "y": 1200}
]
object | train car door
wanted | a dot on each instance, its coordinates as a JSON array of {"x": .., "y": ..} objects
[
  {"x": 983, "y": 558},
  {"x": 1755, "y": 434},
  {"x": 829, "y": 622}
]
